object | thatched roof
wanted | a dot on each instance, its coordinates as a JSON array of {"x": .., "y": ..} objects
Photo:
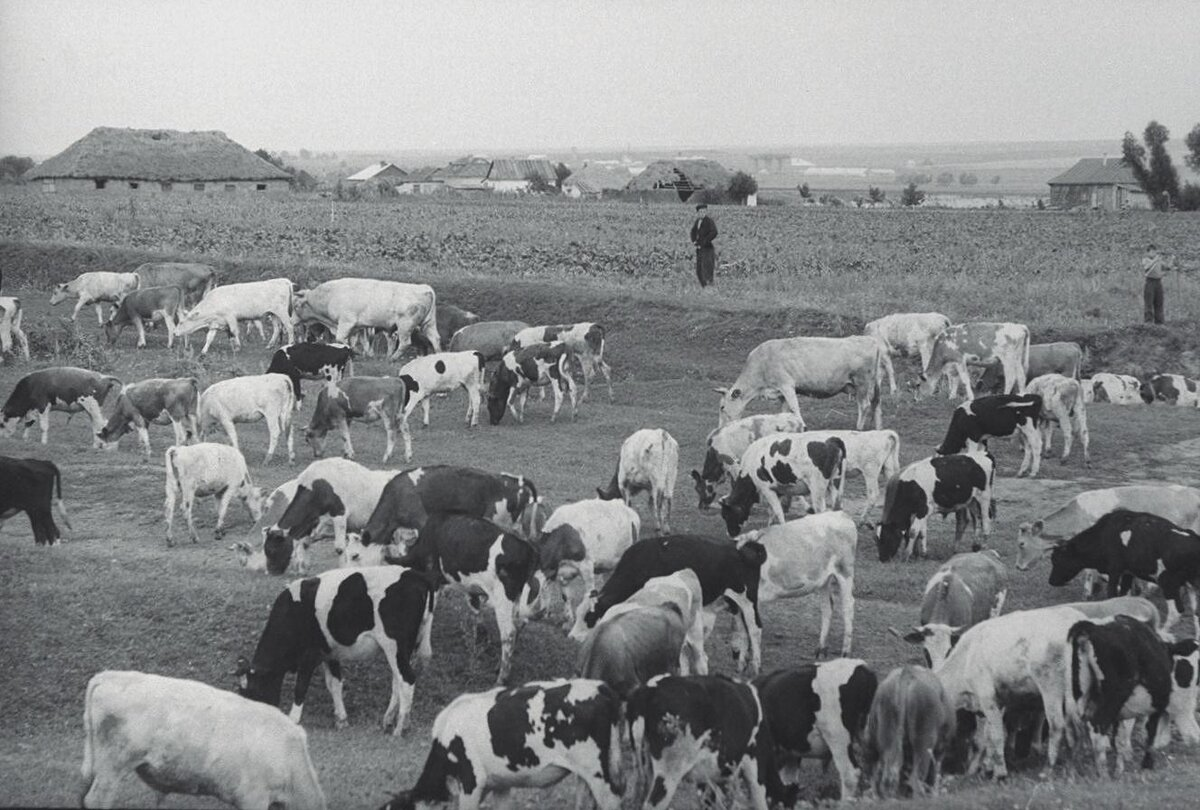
[
  {"x": 157, "y": 154},
  {"x": 596, "y": 179},
  {"x": 683, "y": 175},
  {"x": 516, "y": 169}
]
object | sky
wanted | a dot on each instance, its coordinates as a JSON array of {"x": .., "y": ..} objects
[{"x": 524, "y": 73}]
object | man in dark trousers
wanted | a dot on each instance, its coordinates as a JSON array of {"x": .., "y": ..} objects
[
  {"x": 1154, "y": 267},
  {"x": 704, "y": 231}
]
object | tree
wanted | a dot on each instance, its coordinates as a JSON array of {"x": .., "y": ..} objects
[
  {"x": 945, "y": 178},
  {"x": 538, "y": 184},
  {"x": 995, "y": 179},
  {"x": 741, "y": 186},
  {"x": 1157, "y": 176},
  {"x": 805, "y": 193},
  {"x": 561, "y": 173},
  {"x": 1193, "y": 145},
  {"x": 876, "y": 194},
  {"x": 911, "y": 196},
  {"x": 13, "y": 168},
  {"x": 967, "y": 179}
]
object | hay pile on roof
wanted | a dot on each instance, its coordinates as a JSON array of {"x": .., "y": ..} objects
[
  {"x": 684, "y": 176},
  {"x": 157, "y": 154}
]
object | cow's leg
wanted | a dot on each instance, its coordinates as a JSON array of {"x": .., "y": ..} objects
[
  {"x": 998, "y": 603},
  {"x": 141, "y": 331},
  {"x": 793, "y": 404},
  {"x": 607, "y": 372},
  {"x": 272, "y": 438},
  {"x": 189, "y": 504},
  {"x": 964, "y": 377},
  {"x": 839, "y": 742},
  {"x": 208, "y": 341},
  {"x": 389, "y": 430},
  {"x": 169, "y": 323},
  {"x": 747, "y": 614},
  {"x": 285, "y": 419},
  {"x": 100, "y": 313},
  {"x": 664, "y": 510},
  {"x": 304, "y": 673},
  {"x": 1055, "y": 722},
  {"x": 1081, "y": 427},
  {"x": 570, "y": 383},
  {"x": 347, "y": 445},
  {"x": 180, "y": 431},
  {"x": 771, "y": 499},
  {"x": 143, "y": 434},
  {"x": 44, "y": 424},
  {"x": 506, "y": 622},
  {"x": 104, "y": 773},
  {"x": 558, "y": 400},
  {"x": 846, "y": 591},
  {"x": 993, "y": 719},
  {"x": 871, "y": 480},
  {"x": 406, "y": 434},
  {"x": 222, "y": 508},
  {"x": 754, "y": 786},
  {"x": 826, "y": 618},
  {"x": 425, "y": 411}
]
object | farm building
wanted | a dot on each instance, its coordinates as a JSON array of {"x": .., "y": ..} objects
[
  {"x": 593, "y": 181},
  {"x": 1105, "y": 183},
  {"x": 513, "y": 175},
  {"x": 466, "y": 174},
  {"x": 157, "y": 160},
  {"x": 684, "y": 177},
  {"x": 381, "y": 172},
  {"x": 426, "y": 180}
]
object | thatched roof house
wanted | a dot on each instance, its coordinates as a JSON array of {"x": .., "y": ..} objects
[
  {"x": 681, "y": 176},
  {"x": 109, "y": 158},
  {"x": 593, "y": 181},
  {"x": 1106, "y": 183},
  {"x": 466, "y": 173}
]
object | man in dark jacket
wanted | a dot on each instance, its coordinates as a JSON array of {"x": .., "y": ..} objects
[{"x": 704, "y": 231}]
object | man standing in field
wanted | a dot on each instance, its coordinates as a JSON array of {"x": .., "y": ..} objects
[
  {"x": 1154, "y": 265},
  {"x": 704, "y": 231}
]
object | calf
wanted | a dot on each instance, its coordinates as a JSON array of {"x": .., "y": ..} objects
[
  {"x": 32, "y": 486},
  {"x": 150, "y": 304},
  {"x": 492, "y": 339},
  {"x": 223, "y": 307},
  {"x": 975, "y": 421},
  {"x": 1064, "y": 357},
  {"x": 1174, "y": 389},
  {"x": 961, "y": 483},
  {"x": 540, "y": 364},
  {"x": 649, "y": 462},
  {"x": 157, "y": 400},
  {"x": 908, "y": 334},
  {"x": 964, "y": 591},
  {"x": 361, "y": 399},
  {"x": 450, "y": 319},
  {"x": 911, "y": 723},
  {"x": 95, "y": 287},
  {"x": 788, "y": 464},
  {"x": 312, "y": 361},
  {"x": 343, "y": 615},
  {"x": 444, "y": 373},
  {"x": 1119, "y": 389},
  {"x": 977, "y": 344},
  {"x": 61, "y": 388},
  {"x": 208, "y": 469},
  {"x": 529, "y": 736},
  {"x": 727, "y": 443},
  {"x": 585, "y": 340},
  {"x": 1062, "y": 405},
  {"x": 11, "y": 315},
  {"x": 192, "y": 279},
  {"x": 249, "y": 399},
  {"x": 818, "y": 711},
  {"x": 182, "y": 736}
]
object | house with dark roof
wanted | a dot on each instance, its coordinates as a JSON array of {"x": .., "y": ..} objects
[
  {"x": 381, "y": 172},
  {"x": 466, "y": 174},
  {"x": 425, "y": 180},
  {"x": 1106, "y": 183},
  {"x": 162, "y": 160},
  {"x": 513, "y": 175}
]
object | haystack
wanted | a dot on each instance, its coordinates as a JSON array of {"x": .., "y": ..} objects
[{"x": 682, "y": 176}]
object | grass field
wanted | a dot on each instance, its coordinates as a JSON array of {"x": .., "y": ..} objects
[{"x": 116, "y": 597}]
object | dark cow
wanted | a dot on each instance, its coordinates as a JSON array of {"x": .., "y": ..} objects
[
  {"x": 336, "y": 616},
  {"x": 490, "y": 338},
  {"x": 911, "y": 724},
  {"x": 32, "y": 486},
  {"x": 60, "y": 388},
  {"x": 1063, "y": 357},
  {"x": 961, "y": 483},
  {"x": 818, "y": 711},
  {"x": 158, "y": 400},
  {"x": 450, "y": 319},
  {"x": 532, "y": 735},
  {"x": 1174, "y": 389},
  {"x": 520, "y": 369},
  {"x": 785, "y": 464},
  {"x": 362, "y": 399},
  {"x": 999, "y": 415},
  {"x": 189, "y": 277},
  {"x": 1124, "y": 544},
  {"x": 312, "y": 361},
  {"x": 147, "y": 304}
]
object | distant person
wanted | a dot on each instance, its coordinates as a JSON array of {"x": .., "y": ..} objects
[
  {"x": 704, "y": 231},
  {"x": 1154, "y": 265}
]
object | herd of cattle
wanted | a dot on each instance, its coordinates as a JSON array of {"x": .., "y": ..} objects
[{"x": 996, "y": 684}]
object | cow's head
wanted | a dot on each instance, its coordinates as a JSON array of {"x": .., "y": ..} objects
[
  {"x": 8, "y": 425},
  {"x": 248, "y": 557},
  {"x": 733, "y": 404},
  {"x": 60, "y": 294},
  {"x": 498, "y": 391},
  {"x": 1065, "y": 563},
  {"x": 1147, "y": 391},
  {"x": 278, "y": 547},
  {"x": 585, "y": 616},
  {"x": 705, "y": 489},
  {"x": 936, "y": 640},
  {"x": 889, "y": 537},
  {"x": 255, "y": 684},
  {"x": 255, "y": 498},
  {"x": 735, "y": 507},
  {"x": 1031, "y": 547}
]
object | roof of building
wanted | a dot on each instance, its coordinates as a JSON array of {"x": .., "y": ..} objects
[
  {"x": 467, "y": 168},
  {"x": 681, "y": 174},
  {"x": 157, "y": 154},
  {"x": 1097, "y": 171},
  {"x": 375, "y": 169},
  {"x": 517, "y": 169},
  {"x": 425, "y": 174},
  {"x": 593, "y": 179}
]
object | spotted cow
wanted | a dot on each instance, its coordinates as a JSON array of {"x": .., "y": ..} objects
[
  {"x": 977, "y": 344},
  {"x": 726, "y": 444},
  {"x": 520, "y": 369},
  {"x": 312, "y": 361},
  {"x": 960, "y": 483},
  {"x": 586, "y": 342},
  {"x": 1173, "y": 389},
  {"x": 785, "y": 464},
  {"x": 975, "y": 421}
]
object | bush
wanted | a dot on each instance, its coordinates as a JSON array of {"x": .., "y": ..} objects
[
  {"x": 805, "y": 193},
  {"x": 967, "y": 179},
  {"x": 538, "y": 184},
  {"x": 13, "y": 168},
  {"x": 1189, "y": 197},
  {"x": 911, "y": 196},
  {"x": 741, "y": 186},
  {"x": 945, "y": 178},
  {"x": 876, "y": 194}
]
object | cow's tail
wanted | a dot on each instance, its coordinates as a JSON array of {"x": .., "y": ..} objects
[
  {"x": 885, "y": 360},
  {"x": 172, "y": 473},
  {"x": 429, "y": 325},
  {"x": 616, "y": 744},
  {"x": 892, "y": 459},
  {"x": 58, "y": 500},
  {"x": 1025, "y": 360},
  {"x": 839, "y": 482}
]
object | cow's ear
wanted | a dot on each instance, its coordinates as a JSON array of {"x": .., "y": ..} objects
[
  {"x": 696, "y": 476},
  {"x": 735, "y": 393},
  {"x": 721, "y": 391}
]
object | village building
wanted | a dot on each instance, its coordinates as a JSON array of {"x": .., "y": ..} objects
[
  {"x": 512, "y": 175},
  {"x": 381, "y": 172},
  {"x": 466, "y": 174},
  {"x": 680, "y": 177},
  {"x": 425, "y": 180},
  {"x": 592, "y": 180},
  {"x": 1104, "y": 183}
]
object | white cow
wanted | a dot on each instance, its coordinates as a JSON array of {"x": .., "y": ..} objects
[
  {"x": 95, "y": 287},
  {"x": 727, "y": 443},
  {"x": 977, "y": 344},
  {"x": 444, "y": 373},
  {"x": 870, "y": 453},
  {"x": 11, "y": 315},
  {"x": 1062, "y": 405},
  {"x": 585, "y": 340},
  {"x": 906, "y": 334},
  {"x": 223, "y": 307},
  {"x": 208, "y": 469},
  {"x": 649, "y": 462},
  {"x": 249, "y": 399},
  {"x": 1119, "y": 389},
  {"x": 344, "y": 304}
]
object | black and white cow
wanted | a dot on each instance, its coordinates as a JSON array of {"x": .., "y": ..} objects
[
  {"x": 520, "y": 369},
  {"x": 159, "y": 401},
  {"x": 152, "y": 304},
  {"x": 818, "y": 711},
  {"x": 911, "y": 723},
  {"x": 585, "y": 340},
  {"x": 338, "y": 616},
  {"x": 785, "y": 464},
  {"x": 312, "y": 361},
  {"x": 1174, "y": 389},
  {"x": 444, "y": 373},
  {"x": 32, "y": 486},
  {"x": 529, "y": 736},
  {"x": 1119, "y": 389},
  {"x": 649, "y": 462},
  {"x": 975, "y": 421},
  {"x": 361, "y": 399},
  {"x": 960, "y": 483},
  {"x": 61, "y": 388},
  {"x": 726, "y": 444}
]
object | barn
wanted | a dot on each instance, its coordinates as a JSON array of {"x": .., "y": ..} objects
[
  {"x": 511, "y": 175},
  {"x": 684, "y": 177},
  {"x": 157, "y": 160},
  {"x": 592, "y": 181},
  {"x": 466, "y": 174},
  {"x": 381, "y": 172},
  {"x": 1106, "y": 183}
]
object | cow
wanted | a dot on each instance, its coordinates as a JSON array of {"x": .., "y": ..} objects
[
  {"x": 223, "y": 307},
  {"x": 649, "y": 462},
  {"x": 870, "y": 453},
  {"x": 450, "y": 319},
  {"x": 787, "y": 464},
  {"x": 1063, "y": 357},
  {"x": 95, "y": 287},
  {"x": 342, "y": 615},
  {"x": 191, "y": 278},
  {"x": 961, "y": 483},
  {"x": 816, "y": 367},
  {"x": 444, "y": 373},
  {"x": 208, "y": 469},
  {"x": 343, "y": 304},
  {"x": 818, "y": 711},
  {"x": 907, "y": 334},
  {"x": 976, "y": 420},
  {"x": 32, "y": 486},
  {"x": 1062, "y": 405},
  {"x": 361, "y": 399},
  {"x": 964, "y": 591},
  {"x": 11, "y": 315},
  {"x": 159, "y": 401},
  {"x": 67, "y": 389},
  {"x": 726, "y": 444},
  {"x": 182, "y": 736},
  {"x": 249, "y": 399},
  {"x": 151, "y": 304},
  {"x": 312, "y": 361},
  {"x": 1185, "y": 674},
  {"x": 492, "y": 339},
  {"x": 1119, "y": 389},
  {"x": 532, "y": 735},
  {"x": 1174, "y": 389},
  {"x": 911, "y": 723},
  {"x": 977, "y": 344},
  {"x": 586, "y": 342},
  {"x": 520, "y": 369}
]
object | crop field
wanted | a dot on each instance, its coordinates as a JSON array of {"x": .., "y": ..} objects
[{"x": 115, "y": 596}]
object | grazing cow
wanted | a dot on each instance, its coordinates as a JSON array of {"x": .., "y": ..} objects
[
  {"x": 32, "y": 486},
  {"x": 312, "y": 361},
  {"x": 95, "y": 287},
  {"x": 182, "y": 736},
  {"x": 343, "y": 304},
  {"x": 975, "y": 421},
  {"x": 977, "y": 344},
  {"x": 361, "y": 399},
  {"x": 964, "y": 591},
  {"x": 249, "y": 399},
  {"x": 67, "y": 389},
  {"x": 1064, "y": 357},
  {"x": 727, "y": 443},
  {"x": 787, "y": 464},
  {"x": 1174, "y": 389},
  {"x": 444, "y": 373},
  {"x": 1119, "y": 389},
  {"x": 649, "y": 462},
  {"x": 147, "y": 304},
  {"x": 870, "y": 453},
  {"x": 907, "y": 334},
  {"x": 157, "y": 400},
  {"x": 585, "y": 340},
  {"x": 1137, "y": 544},
  {"x": 911, "y": 723},
  {"x": 813, "y": 367},
  {"x": 223, "y": 307},
  {"x": 450, "y": 319},
  {"x": 708, "y": 727},
  {"x": 520, "y": 369},
  {"x": 1185, "y": 674},
  {"x": 529, "y": 736},
  {"x": 208, "y": 469},
  {"x": 492, "y": 339},
  {"x": 811, "y": 555},
  {"x": 191, "y": 278},
  {"x": 960, "y": 483},
  {"x": 342, "y": 615},
  {"x": 11, "y": 315},
  {"x": 818, "y": 711},
  {"x": 1062, "y": 405}
]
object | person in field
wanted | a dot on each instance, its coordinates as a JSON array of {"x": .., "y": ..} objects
[
  {"x": 1154, "y": 266},
  {"x": 704, "y": 231}
]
